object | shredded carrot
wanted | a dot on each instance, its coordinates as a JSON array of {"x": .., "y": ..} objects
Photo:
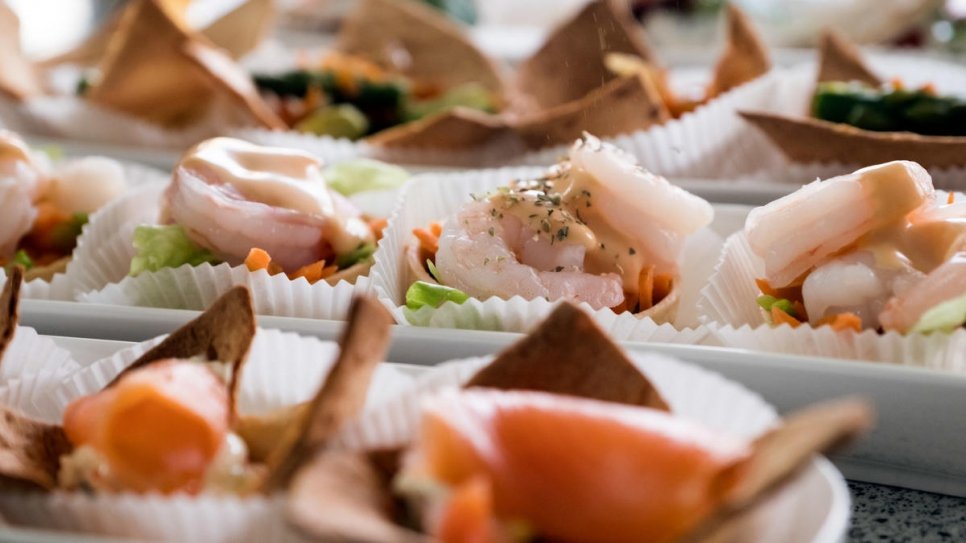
[
  {"x": 663, "y": 283},
  {"x": 842, "y": 321},
  {"x": 436, "y": 228},
  {"x": 257, "y": 259},
  {"x": 799, "y": 309},
  {"x": 780, "y": 317},
  {"x": 378, "y": 226},
  {"x": 314, "y": 272},
  {"x": 951, "y": 198},
  {"x": 791, "y": 293},
  {"x": 929, "y": 88},
  {"x": 427, "y": 240},
  {"x": 645, "y": 289},
  {"x": 897, "y": 83}
]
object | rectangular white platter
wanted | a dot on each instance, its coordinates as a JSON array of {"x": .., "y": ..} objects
[{"x": 918, "y": 441}]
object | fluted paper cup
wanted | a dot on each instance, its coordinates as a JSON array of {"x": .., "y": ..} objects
[
  {"x": 812, "y": 507},
  {"x": 109, "y": 250},
  {"x": 714, "y": 142},
  {"x": 76, "y": 277},
  {"x": 282, "y": 369},
  {"x": 437, "y": 197},
  {"x": 729, "y": 308}
]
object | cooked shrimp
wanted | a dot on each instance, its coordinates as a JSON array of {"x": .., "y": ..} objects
[
  {"x": 22, "y": 180},
  {"x": 945, "y": 283},
  {"x": 86, "y": 184},
  {"x": 645, "y": 207},
  {"x": 798, "y": 232},
  {"x": 855, "y": 283},
  {"x": 478, "y": 255},
  {"x": 231, "y": 196}
]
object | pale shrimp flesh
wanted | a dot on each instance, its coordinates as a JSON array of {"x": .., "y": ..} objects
[
  {"x": 22, "y": 181},
  {"x": 947, "y": 282}
]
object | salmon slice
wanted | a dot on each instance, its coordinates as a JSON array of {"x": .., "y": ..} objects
[
  {"x": 571, "y": 469},
  {"x": 158, "y": 428}
]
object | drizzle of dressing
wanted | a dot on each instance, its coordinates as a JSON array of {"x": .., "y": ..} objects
[
  {"x": 278, "y": 177},
  {"x": 560, "y": 208}
]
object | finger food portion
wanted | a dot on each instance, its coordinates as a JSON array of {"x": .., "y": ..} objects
[
  {"x": 43, "y": 207},
  {"x": 265, "y": 207},
  {"x": 889, "y": 253},
  {"x": 597, "y": 228},
  {"x": 517, "y": 463},
  {"x": 855, "y": 117},
  {"x": 158, "y": 70}
]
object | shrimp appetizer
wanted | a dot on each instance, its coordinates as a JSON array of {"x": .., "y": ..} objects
[
  {"x": 43, "y": 208},
  {"x": 597, "y": 229},
  {"x": 265, "y": 207},
  {"x": 882, "y": 250}
]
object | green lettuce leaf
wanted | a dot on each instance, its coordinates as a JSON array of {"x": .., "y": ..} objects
[
  {"x": 766, "y": 302},
  {"x": 352, "y": 258},
  {"x": 364, "y": 175},
  {"x": 944, "y": 317},
  {"x": 470, "y": 95},
  {"x": 159, "y": 247},
  {"x": 422, "y": 294}
]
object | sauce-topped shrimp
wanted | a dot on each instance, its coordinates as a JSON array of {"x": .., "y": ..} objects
[
  {"x": 597, "y": 229},
  {"x": 846, "y": 246},
  {"x": 21, "y": 183},
  {"x": 231, "y": 196}
]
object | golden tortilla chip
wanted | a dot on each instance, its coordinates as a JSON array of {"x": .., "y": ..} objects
[
  {"x": 364, "y": 343},
  {"x": 10, "y": 308},
  {"x": 804, "y": 139},
  {"x": 619, "y": 107},
  {"x": 341, "y": 496},
  {"x": 30, "y": 452},
  {"x": 840, "y": 60},
  {"x": 241, "y": 30},
  {"x": 457, "y": 128},
  {"x": 224, "y": 332},
  {"x": 410, "y": 38},
  {"x": 18, "y": 78},
  {"x": 781, "y": 453},
  {"x": 160, "y": 71},
  {"x": 570, "y": 64},
  {"x": 745, "y": 57},
  {"x": 569, "y": 354}
]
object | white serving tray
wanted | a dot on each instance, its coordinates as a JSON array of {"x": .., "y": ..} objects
[{"x": 918, "y": 441}]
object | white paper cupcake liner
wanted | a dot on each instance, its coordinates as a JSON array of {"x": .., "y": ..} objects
[
  {"x": 793, "y": 514},
  {"x": 76, "y": 277},
  {"x": 729, "y": 307},
  {"x": 282, "y": 369},
  {"x": 108, "y": 251},
  {"x": 436, "y": 197},
  {"x": 31, "y": 368}
]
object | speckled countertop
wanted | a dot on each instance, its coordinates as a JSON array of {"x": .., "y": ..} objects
[{"x": 885, "y": 513}]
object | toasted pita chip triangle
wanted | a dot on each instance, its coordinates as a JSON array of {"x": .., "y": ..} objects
[
  {"x": 30, "y": 451},
  {"x": 570, "y": 64},
  {"x": 415, "y": 40},
  {"x": 619, "y": 107},
  {"x": 241, "y": 30},
  {"x": 745, "y": 56},
  {"x": 569, "y": 354},
  {"x": 341, "y": 496},
  {"x": 92, "y": 50},
  {"x": 224, "y": 332},
  {"x": 804, "y": 139},
  {"x": 158, "y": 70},
  {"x": 840, "y": 60},
  {"x": 783, "y": 452},
  {"x": 18, "y": 78},
  {"x": 10, "y": 308},
  {"x": 364, "y": 343},
  {"x": 457, "y": 128}
]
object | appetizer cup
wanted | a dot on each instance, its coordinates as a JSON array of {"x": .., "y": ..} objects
[
  {"x": 877, "y": 276},
  {"x": 432, "y": 198}
]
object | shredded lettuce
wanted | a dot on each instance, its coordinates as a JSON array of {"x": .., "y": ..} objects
[
  {"x": 431, "y": 266},
  {"x": 767, "y": 302},
  {"x": 22, "y": 259},
  {"x": 944, "y": 317},
  {"x": 64, "y": 235},
  {"x": 352, "y": 258},
  {"x": 469, "y": 95},
  {"x": 364, "y": 175},
  {"x": 158, "y": 247},
  {"x": 422, "y": 294}
]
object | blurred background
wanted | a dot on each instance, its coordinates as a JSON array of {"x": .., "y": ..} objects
[{"x": 684, "y": 29}]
